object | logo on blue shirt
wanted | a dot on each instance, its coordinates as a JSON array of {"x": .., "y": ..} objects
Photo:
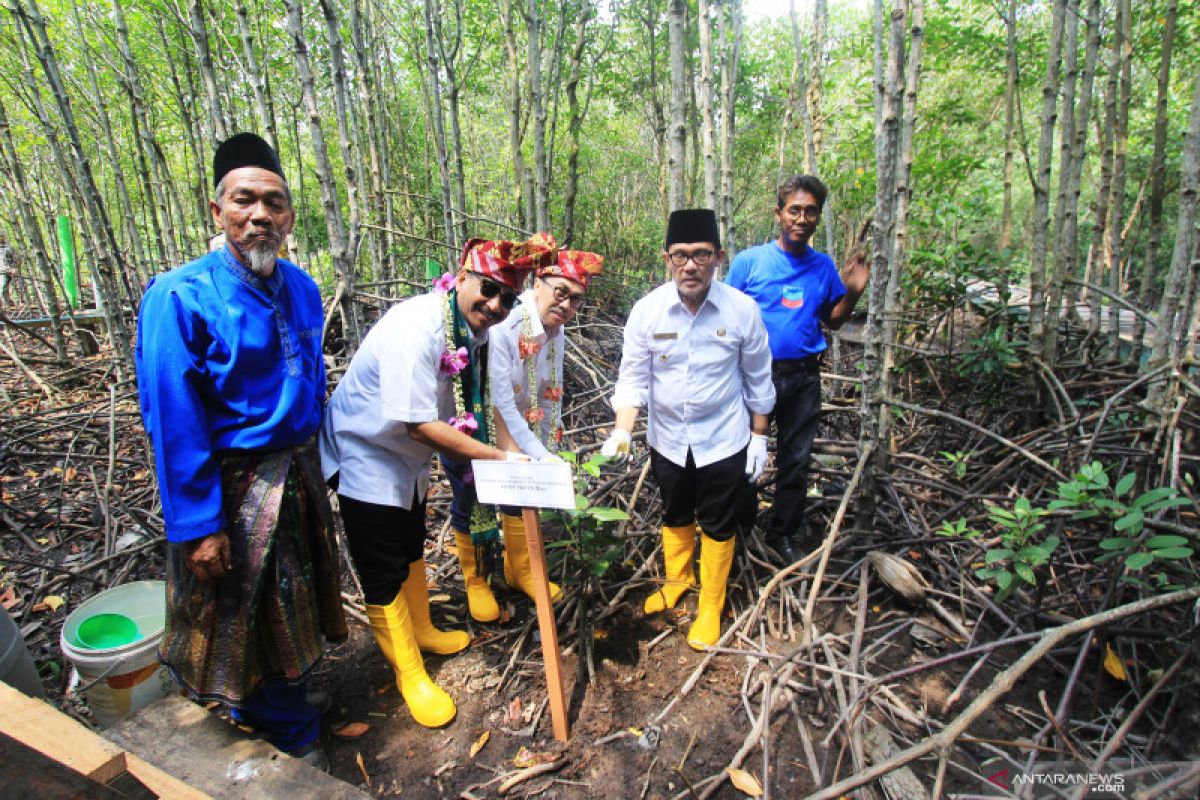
[{"x": 793, "y": 297}]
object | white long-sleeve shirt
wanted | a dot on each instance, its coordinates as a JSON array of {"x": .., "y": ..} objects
[
  {"x": 698, "y": 376},
  {"x": 509, "y": 375}
]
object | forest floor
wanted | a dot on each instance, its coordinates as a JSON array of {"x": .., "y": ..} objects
[{"x": 945, "y": 672}]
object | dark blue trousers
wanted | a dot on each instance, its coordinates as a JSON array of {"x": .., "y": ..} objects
[
  {"x": 279, "y": 711},
  {"x": 797, "y": 409}
]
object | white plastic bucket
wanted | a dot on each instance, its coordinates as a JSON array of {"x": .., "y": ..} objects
[{"x": 120, "y": 680}]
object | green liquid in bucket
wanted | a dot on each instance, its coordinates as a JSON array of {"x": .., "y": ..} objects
[{"x": 105, "y": 631}]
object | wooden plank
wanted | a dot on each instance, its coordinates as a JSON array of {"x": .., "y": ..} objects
[
  {"x": 31, "y": 773},
  {"x": 159, "y": 782},
  {"x": 44, "y": 728},
  {"x": 546, "y": 625}
]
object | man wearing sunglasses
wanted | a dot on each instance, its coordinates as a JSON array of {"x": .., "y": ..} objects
[
  {"x": 696, "y": 356},
  {"x": 416, "y": 385},
  {"x": 525, "y": 368},
  {"x": 798, "y": 290}
]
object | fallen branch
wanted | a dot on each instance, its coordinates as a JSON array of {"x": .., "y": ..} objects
[
  {"x": 999, "y": 687},
  {"x": 530, "y": 772}
]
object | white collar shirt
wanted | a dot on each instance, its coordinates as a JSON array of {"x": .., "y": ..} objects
[
  {"x": 509, "y": 376},
  {"x": 394, "y": 379},
  {"x": 699, "y": 376}
]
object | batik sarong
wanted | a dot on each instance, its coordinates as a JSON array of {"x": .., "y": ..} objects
[{"x": 262, "y": 618}]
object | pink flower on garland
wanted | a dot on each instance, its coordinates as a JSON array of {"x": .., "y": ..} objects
[
  {"x": 454, "y": 362},
  {"x": 553, "y": 393},
  {"x": 445, "y": 283},
  {"x": 464, "y": 423},
  {"x": 528, "y": 346},
  {"x": 535, "y": 415}
]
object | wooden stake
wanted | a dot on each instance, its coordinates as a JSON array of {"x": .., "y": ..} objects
[{"x": 545, "y": 612}]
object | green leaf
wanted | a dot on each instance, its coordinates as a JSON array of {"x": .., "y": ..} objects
[
  {"x": 1001, "y": 515},
  {"x": 1124, "y": 484},
  {"x": 1173, "y": 552},
  {"x": 1138, "y": 561},
  {"x": 1051, "y": 544},
  {"x": 1170, "y": 502},
  {"x": 1116, "y": 543},
  {"x": 1004, "y": 579},
  {"x": 591, "y": 469},
  {"x": 581, "y": 502},
  {"x": 999, "y": 554},
  {"x": 1155, "y": 542},
  {"x": 1026, "y": 573},
  {"x": 1131, "y": 521},
  {"x": 1108, "y": 557},
  {"x": 568, "y": 456},
  {"x": 1153, "y": 496},
  {"x": 607, "y": 514}
]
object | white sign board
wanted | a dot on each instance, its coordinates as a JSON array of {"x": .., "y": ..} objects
[{"x": 529, "y": 484}]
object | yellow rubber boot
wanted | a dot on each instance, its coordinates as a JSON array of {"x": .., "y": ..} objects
[
  {"x": 393, "y": 629},
  {"x": 480, "y": 601},
  {"x": 715, "y": 560},
  {"x": 429, "y": 638},
  {"x": 679, "y": 545},
  {"x": 516, "y": 559}
]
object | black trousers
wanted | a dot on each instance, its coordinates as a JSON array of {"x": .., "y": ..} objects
[
  {"x": 712, "y": 496},
  {"x": 383, "y": 541},
  {"x": 797, "y": 409}
]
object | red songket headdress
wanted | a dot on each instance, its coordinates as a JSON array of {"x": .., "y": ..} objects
[
  {"x": 576, "y": 265},
  {"x": 508, "y": 262}
]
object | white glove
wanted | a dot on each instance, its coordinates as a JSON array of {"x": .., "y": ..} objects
[
  {"x": 550, "y": 458},
  {"x": 617, "y": 445},
  {"x": 756, "y": 457},
  {"x": 509, "y": 455}
]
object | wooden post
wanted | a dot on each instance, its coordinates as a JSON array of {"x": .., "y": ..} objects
[{"x": 545, "y": 612}]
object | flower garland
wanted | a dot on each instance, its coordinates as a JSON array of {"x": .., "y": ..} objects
[
  {"x": 454, "y": 360},
  {"x": 528, "y": 348},
  {"x": 469, "y": 418}
]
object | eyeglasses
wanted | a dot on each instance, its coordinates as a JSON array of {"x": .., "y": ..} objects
[
  {"x": 490, "y": 288},
  {"x": 564, "y": 295},
  {"x": 700, "y": 258},
  {"x": 810, "y": 213}
]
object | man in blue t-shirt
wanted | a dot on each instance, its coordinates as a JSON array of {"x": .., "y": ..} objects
[{"x": 797, "y": 289}]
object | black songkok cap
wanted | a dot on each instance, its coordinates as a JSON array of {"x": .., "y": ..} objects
[
  {"x": 687, "y": 225},
  {"x": 245, "y": 150}
]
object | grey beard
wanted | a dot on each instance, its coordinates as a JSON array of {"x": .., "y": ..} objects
[{"x": 262, "y": 259}]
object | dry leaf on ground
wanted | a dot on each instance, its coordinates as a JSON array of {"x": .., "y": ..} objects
[
  {"x": 1112, "y": 663},
  {"x": 351, "y": 730},
  {"x": 480, "y": 742},
  {"x": 744, "y": 782},
  {"x": 362, "y": 768}
]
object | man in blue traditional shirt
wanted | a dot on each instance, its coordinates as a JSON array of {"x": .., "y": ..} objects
[
  {"x": 232, "y": 387},
  {"x": 798, "y": 290}
]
